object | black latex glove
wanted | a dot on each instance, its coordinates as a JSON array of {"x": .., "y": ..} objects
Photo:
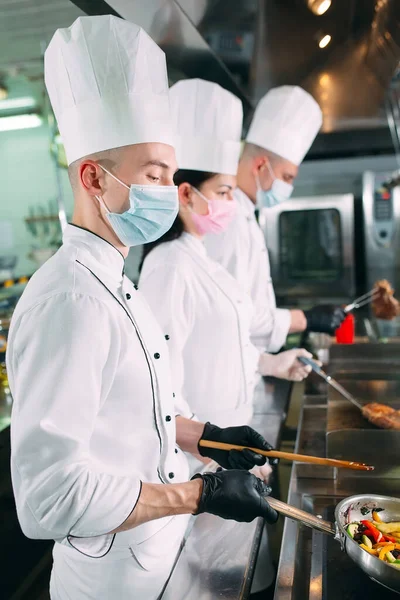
[
  {"x": 325, "y": 318},
  {"x": 241, "y": 436},
  {"x": 237, "y": 495}
]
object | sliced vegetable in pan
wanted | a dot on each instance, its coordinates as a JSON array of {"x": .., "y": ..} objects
[{"x": 377, "y": 537}]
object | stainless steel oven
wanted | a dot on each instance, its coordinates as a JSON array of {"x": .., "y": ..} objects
[
  {"x": 381, "y": 209},
  {"x": 381, "y": 215},
  {"x": 311, "y": 248}
]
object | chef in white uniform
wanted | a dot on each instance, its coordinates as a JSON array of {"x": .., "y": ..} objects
[
  {"x": 204, "y": 309},
  {"x": 94, "y": 456},
  {"x": 284, "y": 125}
]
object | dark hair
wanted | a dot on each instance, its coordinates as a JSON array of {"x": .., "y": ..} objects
[{"x": 196, "y": 179}]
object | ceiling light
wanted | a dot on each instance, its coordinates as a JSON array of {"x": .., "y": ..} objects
[
  {"x": 319, "y": 7},
  {"x": 324, "y": 79},
  {"x": 14, "y": 103},
  {"x": 19, "y": 122},
  {"x": 324, "y": 41}
]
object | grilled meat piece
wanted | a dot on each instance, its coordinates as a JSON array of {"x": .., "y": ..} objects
[
  {"x": 385, "y": 306},
  {"x": 382, "y": 416}
]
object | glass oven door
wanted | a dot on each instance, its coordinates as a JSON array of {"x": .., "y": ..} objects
[{"x": 311, "y": 248}]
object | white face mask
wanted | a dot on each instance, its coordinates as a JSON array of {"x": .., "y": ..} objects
[
  {"x": 279, "y": 192},
  {"x": 152, "y": 211}
]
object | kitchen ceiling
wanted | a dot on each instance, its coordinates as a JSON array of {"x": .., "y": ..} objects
[
  {"x": 26, "y": 27},
  {"x": 263, "y": 43}
]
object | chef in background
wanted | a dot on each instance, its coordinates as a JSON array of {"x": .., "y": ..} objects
[
  {"x": 284, "y": 126},
  {"x": 204, "y": 309},
  {"x": 94, "y": 457}
]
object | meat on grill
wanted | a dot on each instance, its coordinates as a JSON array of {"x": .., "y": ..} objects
[
  {"x": 385, "y": 306},
  {"x": 382, "y": 416}
]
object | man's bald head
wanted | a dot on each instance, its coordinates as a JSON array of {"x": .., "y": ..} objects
[{"x": 259, "y": 162}]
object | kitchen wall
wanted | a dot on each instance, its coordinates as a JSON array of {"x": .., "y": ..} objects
[
  {"x": 27, "y": 176},
  {"x": 339, "y": 176}
]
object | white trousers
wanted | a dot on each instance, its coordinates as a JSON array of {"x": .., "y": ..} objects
[{"x": 126, "y": 572}]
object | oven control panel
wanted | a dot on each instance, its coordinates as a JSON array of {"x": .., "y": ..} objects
[{"x": 383, "y": 214}]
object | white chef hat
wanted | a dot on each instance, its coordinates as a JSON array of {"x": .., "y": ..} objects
[
  {"x": 286, "y": 122},
  {"x": 108, "y": 85},
  {"x": 208, "y": 122}
]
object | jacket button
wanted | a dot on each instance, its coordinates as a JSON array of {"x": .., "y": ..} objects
[
  {"x": 176, "y": 450},
  {"x": 168, "y": 418},
  {"x": 128, "y": 296},
  {"x": 167, "y": 337},
  {"x": 157, "y": 356},
  {"x": 171, "y": 475},
  {"x": 173, "y": 395}
]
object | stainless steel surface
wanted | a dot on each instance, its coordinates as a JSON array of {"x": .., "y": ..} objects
[
  {"x": 381, "y": 231},
  {"x": 312, "y": 565},
  {"x": 270, "y": 398},
  {"x": 349, "y": 510},
  {"x": 377, "y": 447},
  {"x": 215, "y": 560},
  {"x": 218, "y": 558},
  {"x": 349, "y": 358},
  {"x": 188, "y": 54},
  {"x": 342, "y": 287},
  {"x": 303, "y": 517},
  {"x": 311, "y": 437},
  {"x": 353, "y": 60}
]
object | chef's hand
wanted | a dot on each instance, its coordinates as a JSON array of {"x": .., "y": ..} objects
[
  {"x": 264, "y": 472},
  {"x": 241, "y": 436},
  {"x": 235, "y": 495},
  {"x": 325, "y": 318},
  {"x": 285, "y": 365}
]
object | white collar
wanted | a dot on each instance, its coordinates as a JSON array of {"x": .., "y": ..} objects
[
  {"x": 245, "y": 202},
  {"x": 110, "y": 259},
  {"x": 193, "y": 243}
]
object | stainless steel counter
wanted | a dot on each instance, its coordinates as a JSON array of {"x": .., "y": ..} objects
[
  {"x": 312, "y": 565},
  {"x": 218, "y": 558}
]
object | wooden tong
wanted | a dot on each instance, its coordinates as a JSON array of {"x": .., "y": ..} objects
[{"x": 303, "y": 458}]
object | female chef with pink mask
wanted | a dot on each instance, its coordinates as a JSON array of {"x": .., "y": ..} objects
[{"x": 200, "y": 306}]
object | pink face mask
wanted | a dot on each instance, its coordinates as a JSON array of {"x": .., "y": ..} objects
[{"x": 220, "y": 214}]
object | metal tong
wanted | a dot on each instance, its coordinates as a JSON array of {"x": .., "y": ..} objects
[
  {"x": 329, "y": 380},
  {"x": 362, "y": 300}
]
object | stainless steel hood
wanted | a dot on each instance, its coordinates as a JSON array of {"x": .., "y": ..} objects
[
  {"x": 249, "y": 46},
  {"x": 188, "y": 54}
]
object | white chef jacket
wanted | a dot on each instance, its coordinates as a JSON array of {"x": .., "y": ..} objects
[
  {"x": 241, "y": 249},
  {"x": 207, "y": 318},
  {"x": 93, "y": 417}
]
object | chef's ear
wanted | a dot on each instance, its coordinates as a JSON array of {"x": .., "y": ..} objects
[
  {"x": 260, "y": 163},
  {"x": 91, "y": 177},
  {"x": 185, "y": 192}
]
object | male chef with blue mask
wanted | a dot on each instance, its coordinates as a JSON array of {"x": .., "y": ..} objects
[
  {"x": 96, "y": 447},
  {"x": 285, "y": 124}
]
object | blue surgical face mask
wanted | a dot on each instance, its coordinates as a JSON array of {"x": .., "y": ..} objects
[
  {"x": 152, "y": 211},
  {"x": 278, "y": 193}
]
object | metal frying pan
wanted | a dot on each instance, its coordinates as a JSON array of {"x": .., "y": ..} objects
[{"x": 348, "y": 510}]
